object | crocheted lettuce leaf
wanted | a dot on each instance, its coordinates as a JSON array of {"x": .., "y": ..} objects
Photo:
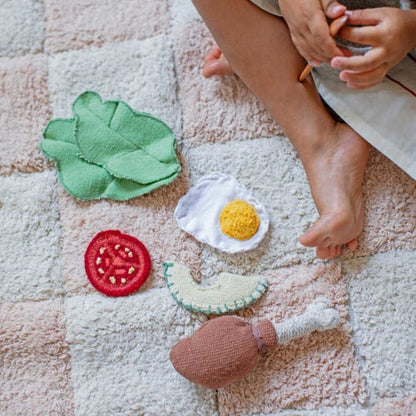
[
  {"x": 82, "y": 179},
  {"x": 128, "y": 144}
]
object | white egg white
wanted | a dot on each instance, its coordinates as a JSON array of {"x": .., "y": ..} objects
[{"x": 199, "y": 210}]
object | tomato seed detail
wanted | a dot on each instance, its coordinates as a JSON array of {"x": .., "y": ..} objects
[{"x": 114, "y": 267}]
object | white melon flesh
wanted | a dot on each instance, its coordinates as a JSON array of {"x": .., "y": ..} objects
[{"x": 232, "y": 292}]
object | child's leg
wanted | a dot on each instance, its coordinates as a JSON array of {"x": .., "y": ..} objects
[{"x": 259, "y": 49}]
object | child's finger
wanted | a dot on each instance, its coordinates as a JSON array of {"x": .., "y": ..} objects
[
  {"x": 359, "y": 63},
  {"x": 327, "y": 48},
  {"x": 362, "y": 80},
  {"x": 366, "y": 35},
  {"x": 337, "y": 25},
  {"x": 365, "y": 17},
  {"x": 328, "y": 43},
  {"x": 333, "y": 9},
  {"x": 324, "y": 43},
  {"x": 307, "y": 51},
  {"x": 311, "y": 50}
]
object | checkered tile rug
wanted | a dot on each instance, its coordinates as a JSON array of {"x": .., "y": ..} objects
[{"x": 65, "y": 349}]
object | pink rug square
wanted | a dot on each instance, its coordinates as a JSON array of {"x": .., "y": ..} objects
[
  {"x": 229, "y": 110},
  {"x": 77, "y": 24},
  {"x": 390, "y": 216},
  {"x": 35, "y": 370},
  {"x": 24, "y": 111},
  {"x": 396, "y": 406},
  {"x": 149, "y": 218}
]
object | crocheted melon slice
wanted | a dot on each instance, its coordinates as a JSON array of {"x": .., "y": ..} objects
[{"x": 232, "y": 292}]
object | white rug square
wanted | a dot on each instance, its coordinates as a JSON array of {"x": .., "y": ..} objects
[
  {"x": 182, "y": 12},
  {"x": 29, "y": 237},
  {"x": 21, "y": 27},
  {"x": 382, "y": 291},
  {"x": 141, "y": 73},
  {"x": 272, "y": 172}
]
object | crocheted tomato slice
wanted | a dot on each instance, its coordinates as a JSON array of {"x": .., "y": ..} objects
[{"x": 116, "y": 264}]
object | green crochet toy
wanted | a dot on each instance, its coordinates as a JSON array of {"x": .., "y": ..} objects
[
  {"x": 110, "y": 151},
  {"x": 232, "y": 292}
]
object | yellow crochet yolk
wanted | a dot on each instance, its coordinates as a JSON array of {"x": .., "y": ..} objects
[{"x": 239, "y": 220}]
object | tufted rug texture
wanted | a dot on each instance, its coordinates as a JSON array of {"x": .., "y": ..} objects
[{"x": 66, "y": 349}]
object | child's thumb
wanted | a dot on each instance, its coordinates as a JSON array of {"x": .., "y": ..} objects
[{"x": 333, "y": 9}]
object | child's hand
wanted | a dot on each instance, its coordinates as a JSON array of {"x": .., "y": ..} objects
[
  {"x": 390, "y": 32},
  {"x": 309, "y": 28}
]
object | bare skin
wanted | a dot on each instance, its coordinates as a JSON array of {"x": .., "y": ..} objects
[
  {"x": 215, "y": 63},
  {"x": 259, "y": 50}
]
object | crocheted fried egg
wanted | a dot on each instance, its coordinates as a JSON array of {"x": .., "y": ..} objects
[{"x": 220, "y": 211}]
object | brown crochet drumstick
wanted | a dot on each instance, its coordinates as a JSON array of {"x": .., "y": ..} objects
[
  {"x": 334, "y": 28},
  {"x": 224, "y": 350}
]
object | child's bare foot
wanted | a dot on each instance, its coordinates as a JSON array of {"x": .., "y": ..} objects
[
  {"x": 335, "y": 171},
  {"x": 216, "y": 64}
]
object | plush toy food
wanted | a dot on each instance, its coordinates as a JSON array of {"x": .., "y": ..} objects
[
  {"x": 232, "y": 292},
  {"x": 224, "y": 350},
  {"x": 108, "y": 150},
  {"x": 221, "y": 212},
  {"x": 116, "y": 264}
]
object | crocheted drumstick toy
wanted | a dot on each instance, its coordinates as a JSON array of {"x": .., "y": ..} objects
[{"x": 226, "y": 349}]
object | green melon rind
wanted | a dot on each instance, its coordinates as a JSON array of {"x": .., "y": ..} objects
[{"x": 214, "y": 309}]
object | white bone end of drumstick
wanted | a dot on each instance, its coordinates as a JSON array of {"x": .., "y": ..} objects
[
  {"x": 319, "y": 316},
  {"x": 326, "y": 317}
]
